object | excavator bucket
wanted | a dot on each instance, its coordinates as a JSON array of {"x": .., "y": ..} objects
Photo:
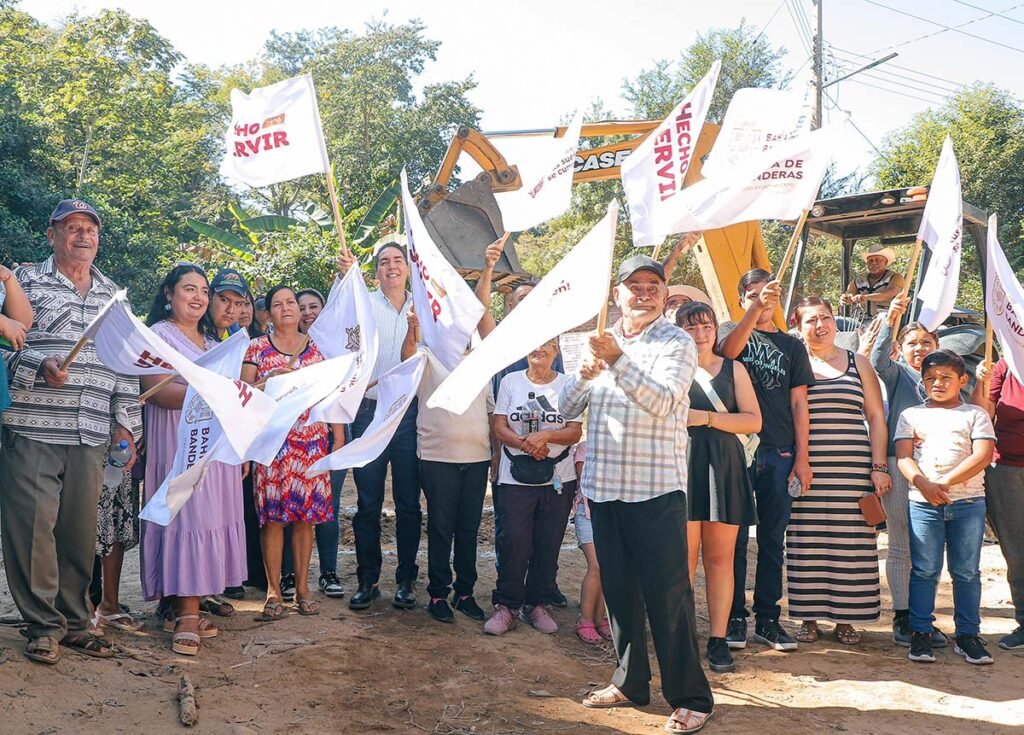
[{"x": 464, "y": 223}]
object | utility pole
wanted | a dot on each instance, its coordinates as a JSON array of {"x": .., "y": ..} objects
[{"x": 819, "y": 71}]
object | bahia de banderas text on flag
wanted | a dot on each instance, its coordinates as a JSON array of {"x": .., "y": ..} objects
[
  {"x": 447, "y": 309},
  {"x": 655, "y": 172},
  {"x": 1004, "y": 302},
  {"x": 942, "y": 231},
  {"x": 127, "y": 346},
  {"x": 198, "y": 429},
  {"x": 570, "y": 294},
  {"x": 275, "y": 134}
]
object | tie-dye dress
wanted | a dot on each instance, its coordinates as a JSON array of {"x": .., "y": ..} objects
[{"x": 283, "y": 492}]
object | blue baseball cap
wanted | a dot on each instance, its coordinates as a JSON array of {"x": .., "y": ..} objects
[
  {"x": 228, "y": 279},
  {"x": 68, "y": 207}
]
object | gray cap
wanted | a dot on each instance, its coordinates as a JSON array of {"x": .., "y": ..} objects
[
  {"x": 68, "y": 207},
  {"x": 640, "y": 263}
]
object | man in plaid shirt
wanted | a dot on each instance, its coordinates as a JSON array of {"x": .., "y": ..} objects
[{"x": 636, "y": 384}]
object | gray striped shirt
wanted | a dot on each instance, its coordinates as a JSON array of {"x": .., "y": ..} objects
[
  {"x": 636, "y": 430},
  {"x": 84, "y": 410}
]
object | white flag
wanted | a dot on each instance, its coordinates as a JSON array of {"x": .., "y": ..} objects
[
  {"x": 346, "y": 326},
  {"x": 547, "y": 181},
  {"x": 275, "y": 134},
  {"x": 127, "y": 346},
  {"x": 447, "y": 308},
  {"x": 1004, "y": 303},
  {"x": 571, "y": 293},
  {"x": 653, "y": 174},
  {"x": 942, "y": 230},
  {"x": 757, "y": 120},
  {"x": 198, "y": 428},
  {"x": 779, "y": 184},
  {"x": 396, "y": 389}
]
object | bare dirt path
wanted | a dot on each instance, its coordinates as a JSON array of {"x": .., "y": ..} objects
[{"x": 393, "y": 671}]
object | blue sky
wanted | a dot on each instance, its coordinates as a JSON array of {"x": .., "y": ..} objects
[{"x": 535, "y": 60}]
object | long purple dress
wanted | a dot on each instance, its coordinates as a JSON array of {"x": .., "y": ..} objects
[{"x": 203, "y": 550}]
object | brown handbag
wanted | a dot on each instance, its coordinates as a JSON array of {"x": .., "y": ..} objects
[{"x": 871, "y": 508}]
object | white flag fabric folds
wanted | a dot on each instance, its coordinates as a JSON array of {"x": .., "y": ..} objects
[
  {"x": 126, "y": 345},
  {"x": 275, "y": 134},
  {"x": 779, "y": 184},
  {"x": 345, "y": 326},
  {"x": 571, "y": 293},
  {"x": 942, "y": 230},
  {"x": 447, "y": 308},
  {"x": 757, "y": 120},
  {"x": 653, "y": 174},
  {"x": 547, "y": 181},
  {"x": 198, "y": 428},
  {"x": 396, "y": 389},
  {"x": 1004, "y": 302}
]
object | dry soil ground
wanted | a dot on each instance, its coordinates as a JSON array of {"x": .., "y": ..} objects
[{"x": 393, "y": 671}]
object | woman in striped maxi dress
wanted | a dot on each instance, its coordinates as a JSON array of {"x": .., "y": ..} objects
[{"x": 831, "y": 553}]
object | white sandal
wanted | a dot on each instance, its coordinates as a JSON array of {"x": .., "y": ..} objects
[{"x": 684, "y": 716}]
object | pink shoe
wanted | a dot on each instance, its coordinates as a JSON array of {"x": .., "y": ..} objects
[
  {"x": 541, "y": 619},
  {"x": 604, "y": 629},
  {"x": 502, "y": 620},
  {"x": 587, "y": 633}
]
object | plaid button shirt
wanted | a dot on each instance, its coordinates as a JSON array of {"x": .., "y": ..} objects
[
  {"x": 95, "y": 398},
  {"x": 636, "y": 431}
]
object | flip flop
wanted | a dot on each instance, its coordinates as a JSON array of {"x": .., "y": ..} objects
[
  {"x": 43, "y": 649},
  {"x": 273, "y": 610},
  {"x": 118, "y": 621},
  {"x": 309, "y": 607},
  {"x": 88, "y": 644}
]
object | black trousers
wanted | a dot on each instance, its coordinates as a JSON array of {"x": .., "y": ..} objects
[
  {"x": 641, "y": 548},
  {"x": 455, "y": 501},
  {"x": 533, "y": 521}
]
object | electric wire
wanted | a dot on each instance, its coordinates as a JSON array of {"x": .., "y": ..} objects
[
  {"x": 997, "y": 13},
  {"x": 955, "y": 29}
]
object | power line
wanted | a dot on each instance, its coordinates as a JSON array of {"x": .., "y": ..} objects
[
  {"x": 765, "y": 26},
  {"x": 993, "y": 12},
  {"x": 894, "y": 91},
  {"x": 799, "y": 30},
  {"x": 911, "y": 84},
  {"x": 902, "y": 74},
  {"x": 862, "y": 133},
  {"x": 955, "y": 29},
  {"x": 901, "y": 68}
]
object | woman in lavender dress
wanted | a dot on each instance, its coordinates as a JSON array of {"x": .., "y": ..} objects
[{"x": 203, "y": 550}]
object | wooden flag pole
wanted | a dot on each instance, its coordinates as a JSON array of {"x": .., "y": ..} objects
[
  {"x": 336, "y": 209},
  {"x": 911, "y": 268},
  {"x": 988, "y": 354},
  {"x": 291, "y": 361},
  {"x": 158, "y": 387},
  {"x": 791, "y": 248},
  {"x": 74, "y": 352}
]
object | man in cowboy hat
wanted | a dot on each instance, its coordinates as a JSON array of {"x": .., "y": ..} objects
[{"x": 873, "y": 290}]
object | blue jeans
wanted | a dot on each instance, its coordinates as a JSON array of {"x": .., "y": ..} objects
[
  {"x": 400, "y": 453},
  {"x": 957, "y": 528},
  {"x": 769, "y": 475}
]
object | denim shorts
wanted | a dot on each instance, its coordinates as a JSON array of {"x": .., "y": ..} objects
[{"x": 584, "y": 529}]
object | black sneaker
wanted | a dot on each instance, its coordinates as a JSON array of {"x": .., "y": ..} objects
[
  {"x": 774, "y": 635},
  {"x": 438, "y": 609},
  {"x": 288, "y": 587},
  {"x": 558, "y": 599},
  {"x": 939, "y": 639},
  {"x": 467, "y": 606},
  {"x": 921, "y": 648},
  {"x": 234, "y": 593},
  {"x": 1013, "y": 641},
  {"x": 736, "y": 635},
  {"x": 719, "y": 658},
  {"x": 901, "y": 633},
  {"x": 972, "y": 648},
  {"x": 330, "y": 585}
]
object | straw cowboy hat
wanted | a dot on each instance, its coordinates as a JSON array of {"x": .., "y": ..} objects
[
  {"x": 885, "y": 252},
  {"x": 690, "y": 292}
]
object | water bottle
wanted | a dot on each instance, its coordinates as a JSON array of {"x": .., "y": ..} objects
[
  {"x": 118, "y": 459},
  {"x": 533, "y": 413}
]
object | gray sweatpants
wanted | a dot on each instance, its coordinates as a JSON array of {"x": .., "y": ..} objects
[
  {"x": 48, "y": 499},
  {"x": 896, "y": 503},
  {"x": 1004, "y": 498}
]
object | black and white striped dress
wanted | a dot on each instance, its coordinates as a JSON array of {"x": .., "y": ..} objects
[{"x": 831, "y": 554}]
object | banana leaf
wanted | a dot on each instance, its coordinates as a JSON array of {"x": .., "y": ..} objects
[
  {"x": 270, "y": 223},
  {"x": 375, "y": 215}
]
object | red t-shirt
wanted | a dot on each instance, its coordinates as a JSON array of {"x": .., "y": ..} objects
[{"x": 1008, "y": 395}]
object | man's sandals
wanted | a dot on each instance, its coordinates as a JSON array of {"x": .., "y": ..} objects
[
  {"x": 686, "y": 720},
  {"x": 87, "y": 643},
  {"x": 608, "y": 697},
  {"x": 43, "y": 649},
  {"x": 681, "y": 721}
]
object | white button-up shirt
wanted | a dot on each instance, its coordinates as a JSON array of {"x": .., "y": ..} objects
[{"x": 392, "y": 326}]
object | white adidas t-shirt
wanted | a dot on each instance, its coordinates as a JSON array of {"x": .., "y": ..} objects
[{"x": 513, "y": 394}]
